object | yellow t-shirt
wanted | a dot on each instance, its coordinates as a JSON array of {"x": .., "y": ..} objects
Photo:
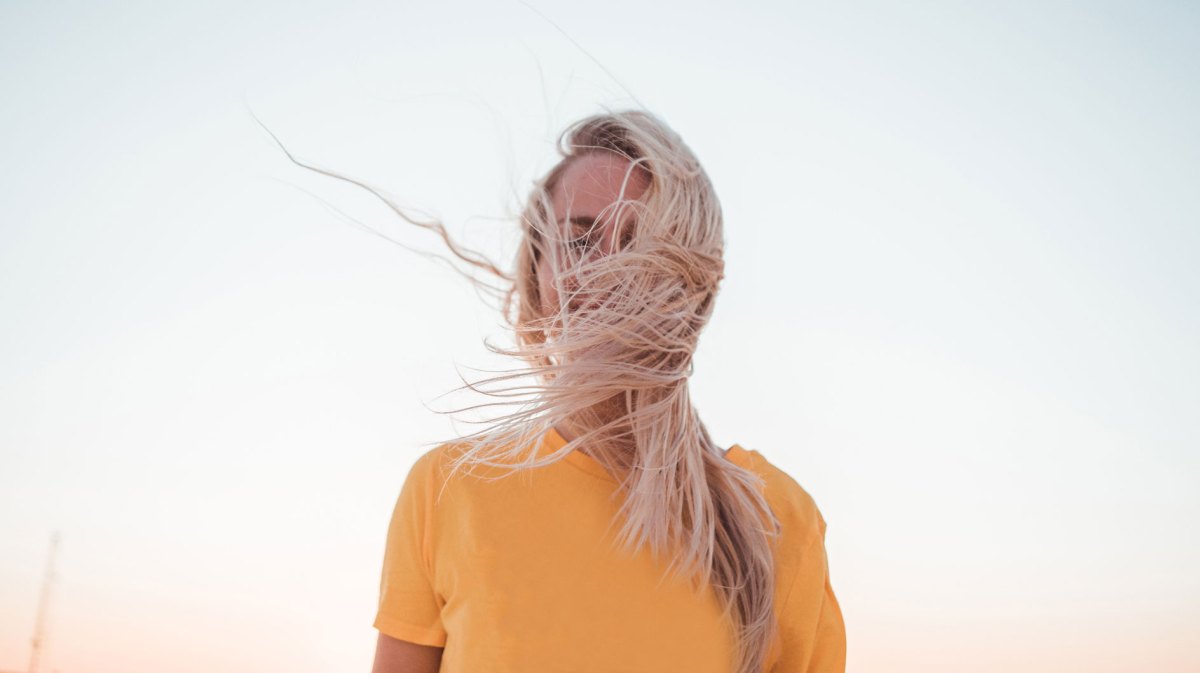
[{"x": 521, "y": 575}]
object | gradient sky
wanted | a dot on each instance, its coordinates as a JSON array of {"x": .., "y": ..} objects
[{"x": 963, "y": 272}]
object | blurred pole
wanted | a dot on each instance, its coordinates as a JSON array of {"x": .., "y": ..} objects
[{"x": 39, "y": 631}]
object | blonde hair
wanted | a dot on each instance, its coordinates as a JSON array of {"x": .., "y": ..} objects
[{"x": 618, "y": 366}]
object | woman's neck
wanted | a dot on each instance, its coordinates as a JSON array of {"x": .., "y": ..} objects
[{"x": 568, "y": 432}]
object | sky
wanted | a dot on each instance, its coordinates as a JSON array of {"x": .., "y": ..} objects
[{"x": 960, "y": 306}]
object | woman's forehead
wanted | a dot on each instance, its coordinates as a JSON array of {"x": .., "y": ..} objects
[{"x": 593, "y": 181}]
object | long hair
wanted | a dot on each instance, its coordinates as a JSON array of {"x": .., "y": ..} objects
[{"x": 614, "y": 359}]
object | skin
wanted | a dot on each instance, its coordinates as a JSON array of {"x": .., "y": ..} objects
[
  {"x": 400, "y": 656},
  {"x": 590, "y": 183}
]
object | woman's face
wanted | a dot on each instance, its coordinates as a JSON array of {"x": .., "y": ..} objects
[{"x": 590, "y": 184}]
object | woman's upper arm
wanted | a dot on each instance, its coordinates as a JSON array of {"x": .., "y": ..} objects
[
  {"x": 411, "y": 634},
  {"x": 400, "y": 656},
  {"x": 812, "y": 629}
]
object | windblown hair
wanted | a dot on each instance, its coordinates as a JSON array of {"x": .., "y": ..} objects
[{"x": 614, "y": 360}]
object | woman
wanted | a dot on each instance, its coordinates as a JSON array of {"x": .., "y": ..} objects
[{"x": 719, "y": 562}]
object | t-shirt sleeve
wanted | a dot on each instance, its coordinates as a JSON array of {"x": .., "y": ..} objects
[
  {"x": 812, "y": 632},
  {"x": 409, "y": 606}
]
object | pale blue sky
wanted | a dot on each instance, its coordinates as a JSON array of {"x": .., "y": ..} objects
[{"x": 960, "y": 306}]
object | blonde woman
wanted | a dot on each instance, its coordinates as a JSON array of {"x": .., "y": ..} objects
[{"x": 597, "y": 527}]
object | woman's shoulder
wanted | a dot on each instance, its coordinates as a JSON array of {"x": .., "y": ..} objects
[
  {"x": 445, "y": 465},
  {"x": 795, "y": 507},
  {"x": 791, "y": 502}
]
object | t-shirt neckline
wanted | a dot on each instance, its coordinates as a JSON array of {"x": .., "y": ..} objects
[{"x": 553, "y": 441}]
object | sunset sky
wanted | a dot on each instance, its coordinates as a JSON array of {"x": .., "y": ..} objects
[{"x": 960, "y": 306}]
